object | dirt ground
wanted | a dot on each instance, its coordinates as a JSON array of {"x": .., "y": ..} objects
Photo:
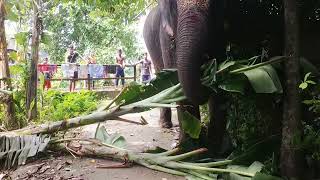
[{"x": 138, "y": 137}]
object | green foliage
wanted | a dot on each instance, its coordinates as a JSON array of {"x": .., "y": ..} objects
[
  {"x": 306, "y": 81},
  {"x": 22, "y": 38},
  {"x": 10, "y": 13},
  {"x": 90, "y": 30},
  {"x": 59, "y": 106},
  {"x": 311, "y": 139},
  {"x": 235, "y": 76},
  {"x": 247, "y": 121}
]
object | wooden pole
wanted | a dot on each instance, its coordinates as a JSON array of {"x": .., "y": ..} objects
[
  {"x": 135, "y": 73},
  {"x": 291, "y": 160},
  {"x": 10, "y": 120},
  {"x": 33, "y": 79}
]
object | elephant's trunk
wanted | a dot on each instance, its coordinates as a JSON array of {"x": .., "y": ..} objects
[{"x": 192, "y": 40}]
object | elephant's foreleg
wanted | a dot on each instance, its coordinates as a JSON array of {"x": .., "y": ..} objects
[
  {"x": 165, "y": 118},
  {"x": 217, "y": 124}
]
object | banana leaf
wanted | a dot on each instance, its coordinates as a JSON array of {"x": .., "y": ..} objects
[
  {"x": 235, "y": 76},
  {"x": 15, "y": 150},
  {"x": 255, "y": 168},
  {"x": 114, "y": 140},
  {"x": 137, "y": 92}
]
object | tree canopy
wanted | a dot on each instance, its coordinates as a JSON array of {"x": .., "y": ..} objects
[
  {"x": 98, "y": 27},
  {"x": 82, "y": 25}
]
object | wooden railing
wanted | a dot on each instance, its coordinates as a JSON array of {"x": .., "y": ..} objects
[{"x": 89, "y": 79}]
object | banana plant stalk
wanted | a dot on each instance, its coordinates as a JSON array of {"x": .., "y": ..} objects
[{"x": 165, "y": 162}]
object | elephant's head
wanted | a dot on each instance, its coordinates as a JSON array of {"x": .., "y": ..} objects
[
  {"x": 192, "y": 43},
  {"x": 168, "y": 9}
]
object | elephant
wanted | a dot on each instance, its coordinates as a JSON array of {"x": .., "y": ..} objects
[
  {"x": 185, "y": 34},
  {"x": 159, "y": 28},
  {"x": 167, "y": 34}
]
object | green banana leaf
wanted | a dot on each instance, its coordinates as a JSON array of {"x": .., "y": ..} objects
[
  {"x": 264, "y": 80},
  {"x": 237, "y": 76},
  {"x": 110, "y": 139},
  {"x": 255, "y": 168},
  {"x": 137, "y": 92}
]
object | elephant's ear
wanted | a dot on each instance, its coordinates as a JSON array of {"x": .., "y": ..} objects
[{"x": 168, "y": 11}]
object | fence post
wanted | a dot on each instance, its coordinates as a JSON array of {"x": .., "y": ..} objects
[
  {"x": 89, "y": 82},
  {"x": 134, "y": 72}
]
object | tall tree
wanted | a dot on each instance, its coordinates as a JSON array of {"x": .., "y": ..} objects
[
  {"x": 33, "y": 81},
  {"x": 10, "y": 120},
  {"x": 291, "y": 157}
]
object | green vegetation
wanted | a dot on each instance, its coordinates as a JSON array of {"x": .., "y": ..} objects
[
  {"x": 311, "y": 124},
  {"x": 57, "y": 106}
]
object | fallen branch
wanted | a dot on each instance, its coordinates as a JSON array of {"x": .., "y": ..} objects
[{"x": 165, "y": 162}]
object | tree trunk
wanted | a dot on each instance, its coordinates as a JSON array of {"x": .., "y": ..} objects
[
  {"x": 33, "y": 80},
  {"x": 10, "y": 120},
  {"x": 291, "y": 156}
]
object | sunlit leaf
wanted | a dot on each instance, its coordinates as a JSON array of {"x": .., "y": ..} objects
[
  {"x": 303, "y": 85},
  {"x": 310, "y": 82}
]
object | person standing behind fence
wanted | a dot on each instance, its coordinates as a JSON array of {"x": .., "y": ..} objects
[
  {"x": 120, "y": 62},
  {"x": 145, "y": 68},
  {"x": 46, "y": 73},
  {"x": 92, "y": 60},
  {"x": 71, "y": 58}
]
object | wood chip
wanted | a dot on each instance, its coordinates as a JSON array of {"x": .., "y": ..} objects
[{"x": 69, "y": 161}]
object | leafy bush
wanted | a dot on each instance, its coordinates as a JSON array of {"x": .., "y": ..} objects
[
  {"x": 311, "y": 121},
  {"x": 58, "y": 105},
  {"x": 252, "y": 118}
]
